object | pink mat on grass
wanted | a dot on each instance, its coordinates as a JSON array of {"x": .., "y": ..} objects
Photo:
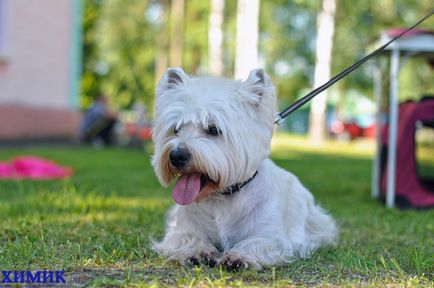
[{"x": 31, "y": 167}]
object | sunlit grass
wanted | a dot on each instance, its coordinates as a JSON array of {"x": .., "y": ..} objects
[
  {"x": 97, "y": 225},
  {"x": 286, "y": 143}
]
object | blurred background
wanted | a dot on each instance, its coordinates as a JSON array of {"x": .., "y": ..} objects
[
  {"x": 84, "y": 71},
  {"x": 58, "y": 56}
]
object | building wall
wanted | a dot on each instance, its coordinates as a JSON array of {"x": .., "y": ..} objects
[{"x": 35, "y": 69}]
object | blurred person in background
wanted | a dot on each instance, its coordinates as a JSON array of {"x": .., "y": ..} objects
[{"x": 98, "y": 122}]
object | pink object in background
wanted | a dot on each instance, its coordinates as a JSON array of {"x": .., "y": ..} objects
[
  {"x": 411, "y": 190},
  {"x": 30, "y": 167}
]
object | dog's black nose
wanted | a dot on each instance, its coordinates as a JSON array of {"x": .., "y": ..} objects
[{"x": 179, "y": 157}]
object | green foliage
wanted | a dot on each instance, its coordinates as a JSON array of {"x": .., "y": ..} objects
[
  {"x": 127, "y": 52},
  {"x": 287, "y": 42},
  {"x": 195, "y": 56},
  {"x": 229, "y": 36},
  {"x": 358, "y": 24},
  {"x": 120, "y": 44},
  {"x": 91, "y": 81}
]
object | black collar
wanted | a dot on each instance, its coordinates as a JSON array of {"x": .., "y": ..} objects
[{"x": 236, "y": 187}]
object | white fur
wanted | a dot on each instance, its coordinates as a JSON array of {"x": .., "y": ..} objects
[{"x": 271, "y": 220}]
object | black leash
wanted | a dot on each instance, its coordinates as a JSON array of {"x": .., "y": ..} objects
[{"x": 279, "y": 117}]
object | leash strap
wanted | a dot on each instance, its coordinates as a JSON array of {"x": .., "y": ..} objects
[{"x": 279, "y": 117}]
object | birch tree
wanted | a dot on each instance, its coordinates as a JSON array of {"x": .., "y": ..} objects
[
  {"x": 324, "y": 46},
  {"x": 215, "y": 37},
  {"x": 162, "y": 43},
  {"x": 246, "y": 51},
  {"x": 176, "y": 33}
]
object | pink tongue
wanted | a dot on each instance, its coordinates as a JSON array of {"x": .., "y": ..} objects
[{"x": 186, "y": 189}]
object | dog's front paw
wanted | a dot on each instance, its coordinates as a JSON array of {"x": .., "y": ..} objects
[
  {"x": 192, "y": 261},
  {"x": 204, "y": 258},
  {"x": 233, "y": 263},
  {"x": 209, "y": 259}
]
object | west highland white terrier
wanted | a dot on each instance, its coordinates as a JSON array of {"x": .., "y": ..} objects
[{"x": 235, "y": 207}]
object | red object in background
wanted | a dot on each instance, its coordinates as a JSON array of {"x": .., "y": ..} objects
[
  {"x": 142, "y": 132},
  {"x": 356, "y": 131},
  {"x": 353, "y": 130},
  {"x": 411, "y": 191},
  {"x": 369, "y": 132},
  {"x": 31, "y": 167}
]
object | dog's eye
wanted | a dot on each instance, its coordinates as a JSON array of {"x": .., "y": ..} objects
[
  {"x": 176, "y": 129},
  {"x": 214, "y": 130}
]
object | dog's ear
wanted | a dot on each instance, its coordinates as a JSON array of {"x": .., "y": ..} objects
[
  {"x": 173, "y": 78},
  {"x": 261, "y": 92},
  {"x": 256, "y": 81}
]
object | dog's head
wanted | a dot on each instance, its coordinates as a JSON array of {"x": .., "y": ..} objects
[{"x": 210, "y": 132}]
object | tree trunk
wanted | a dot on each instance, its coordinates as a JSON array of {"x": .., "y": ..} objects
[
  {"x": 215, "y": 37},
  {"x": 161, "y": 59},
  {"x": 176, "y": 33},
  {"x": 324, "y": 45},
  {"x": 246, "y": 53}
]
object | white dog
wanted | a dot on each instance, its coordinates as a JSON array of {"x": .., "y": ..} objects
[{"x": 236, "y": 208}]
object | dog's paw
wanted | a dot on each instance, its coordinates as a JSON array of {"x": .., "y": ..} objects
[
  {"x": 209, "y": 259},
  {"x": 204, "y": 258},
  {"x": 233, "y": 263},
  {"x": 192, "y": 261}
]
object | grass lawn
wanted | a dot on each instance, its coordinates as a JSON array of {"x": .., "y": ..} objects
[{"x": 97, "y": 225}]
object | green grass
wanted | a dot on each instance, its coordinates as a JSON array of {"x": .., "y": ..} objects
[{"x": 97, "y": 225}]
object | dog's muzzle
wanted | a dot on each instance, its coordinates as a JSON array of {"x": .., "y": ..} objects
[{"x": 179, "y": 157}]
